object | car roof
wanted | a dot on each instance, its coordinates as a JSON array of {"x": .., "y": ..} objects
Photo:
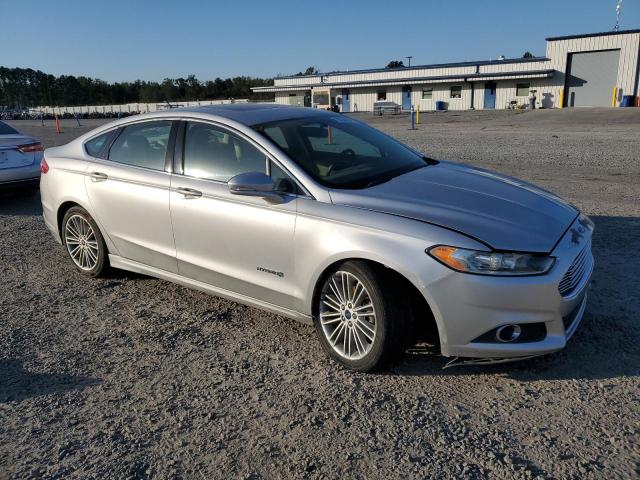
[{"x": 250, "y": 114}]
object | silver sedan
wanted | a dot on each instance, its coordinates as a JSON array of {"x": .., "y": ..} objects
[
  {"x": 20, "y": 158},
  {"x": 323, "y": 219}
]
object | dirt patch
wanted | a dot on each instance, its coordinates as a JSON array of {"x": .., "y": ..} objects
[{"x": 132, "y": 377}]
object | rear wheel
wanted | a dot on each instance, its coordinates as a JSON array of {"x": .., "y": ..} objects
[
  {"x": 83, "y": 242},
  {"x": 361, "y": 317}
]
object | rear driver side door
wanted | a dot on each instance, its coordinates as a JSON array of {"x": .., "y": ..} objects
[{"x": 129, "y": 191}]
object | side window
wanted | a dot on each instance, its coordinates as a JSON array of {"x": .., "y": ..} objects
[
  {"x": 216, "y": 154},
  {"x": 522, "y": 89},
  {"x": 94, "y": 145},
  {"x": 142, "y": 145},
  {"x": 282, "y": 181}
]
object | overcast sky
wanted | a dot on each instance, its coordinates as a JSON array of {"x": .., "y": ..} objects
[{"x": 125, "y": 40}]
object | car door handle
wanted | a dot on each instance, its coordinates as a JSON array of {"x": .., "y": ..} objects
[
  {"x": 189, "y": 192},
  {"x": 98, "y": 176}
]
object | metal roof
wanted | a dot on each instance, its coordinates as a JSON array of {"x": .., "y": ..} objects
[
  {"x": 421, "y": 67},
  {"x": 412, "y": 80},
  {"x": 586, "y": 35}
]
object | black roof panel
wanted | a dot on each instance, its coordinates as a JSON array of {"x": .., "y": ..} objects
[{"x": 586, "y": 35}]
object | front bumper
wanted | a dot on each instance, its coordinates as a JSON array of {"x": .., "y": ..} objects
[{"x": 468, "y": 308}]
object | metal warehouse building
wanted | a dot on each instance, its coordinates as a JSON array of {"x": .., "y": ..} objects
[{"x": 597, "y": 69}]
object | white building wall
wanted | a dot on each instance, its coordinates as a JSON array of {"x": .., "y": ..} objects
[
  {"x": 499, "y": 67},
  {"x": 548, "y": 89},
  {"x": 398, "y": 73},
  {"x": 629, "y": 45},
  {"x": 441, "y": 92},
  {"x": 282, "y": 98},
  {"x": 362, "y": 99},
  {"x": 302, "y": 80},
  {"x": 295, "y": 98}
]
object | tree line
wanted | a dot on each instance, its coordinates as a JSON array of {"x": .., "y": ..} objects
[{"x": 25, "y": 87}]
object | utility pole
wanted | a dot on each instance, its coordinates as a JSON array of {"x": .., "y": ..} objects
[{"x": 409, "y": 57}]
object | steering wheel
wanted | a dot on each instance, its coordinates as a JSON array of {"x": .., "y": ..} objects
[{"x": 347, "y": 152}]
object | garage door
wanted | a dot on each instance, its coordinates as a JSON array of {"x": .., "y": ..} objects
[
  {"x": 592, "y": 76},
  {"x": 296, "y": 99}
]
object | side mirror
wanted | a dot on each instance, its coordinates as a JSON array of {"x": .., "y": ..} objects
[{"x": 253, "y": 184}]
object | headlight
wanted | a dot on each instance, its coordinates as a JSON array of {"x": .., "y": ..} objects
[{"x": 491, "y": 263}]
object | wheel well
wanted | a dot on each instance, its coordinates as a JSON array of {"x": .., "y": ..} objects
[
  {"x": 424, "y": 324},
  {"x": 62, "y": 210}
]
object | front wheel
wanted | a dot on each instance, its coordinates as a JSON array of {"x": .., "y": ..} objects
[
  {"x": 361, "y": 317},
  {"x": 84, "y": 243}
]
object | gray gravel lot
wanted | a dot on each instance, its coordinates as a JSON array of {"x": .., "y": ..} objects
[{"x": 133, "y": 377}]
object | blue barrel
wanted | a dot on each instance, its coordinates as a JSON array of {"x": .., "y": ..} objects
[
  {"x": 440, "y": 105},
  {"x": 628, "y": 101}
]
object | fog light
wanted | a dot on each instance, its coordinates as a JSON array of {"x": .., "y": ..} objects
[{"x": 508, "y": 333}]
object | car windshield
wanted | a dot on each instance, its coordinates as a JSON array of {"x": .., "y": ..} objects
[
  {"x": 6, "y": 129},
  {"x": 340, "y": 152}
]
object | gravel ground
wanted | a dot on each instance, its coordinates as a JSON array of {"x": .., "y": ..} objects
[{"x": 133, "y": 377}]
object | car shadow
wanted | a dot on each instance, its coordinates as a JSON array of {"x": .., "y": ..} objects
[
  {"x": 23, "y": 201},
  {"x": 605, "y": 345},
  {"x": 17, "y": 384}
]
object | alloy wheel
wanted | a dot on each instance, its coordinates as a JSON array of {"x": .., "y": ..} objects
[
  {"x": 347, "y": 315},
  {"x": 81, "y": 242}
]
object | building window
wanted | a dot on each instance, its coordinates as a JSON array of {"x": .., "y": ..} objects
[
  {"x": 522, "y": 89},
  {"x": 456, "y": 91},
  {"x": 382, "y": 95},
  {"x": 321, "y": 97},
  {"x": 427, "y": 93}
]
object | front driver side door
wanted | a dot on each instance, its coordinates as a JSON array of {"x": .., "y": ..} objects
[{"x": 240, "y": 244}]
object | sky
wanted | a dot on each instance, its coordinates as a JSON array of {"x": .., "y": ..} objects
[{"x": 118, "y": 40}]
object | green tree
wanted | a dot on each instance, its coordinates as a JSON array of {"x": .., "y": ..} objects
[
  {"x": 25, "y": 87},
  {"x": 395, "y": 64}
]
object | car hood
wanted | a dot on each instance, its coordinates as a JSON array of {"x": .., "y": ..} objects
[{"x": 503, "y": 212}]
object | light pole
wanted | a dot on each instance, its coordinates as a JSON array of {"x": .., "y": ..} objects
[{"x": 409, "y": 60}]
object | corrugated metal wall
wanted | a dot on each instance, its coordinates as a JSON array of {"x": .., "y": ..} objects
[
  {"x": 629, "y": 45},
  {"x": 441, "y": 92},
  {"x": 302, "y": 80}
]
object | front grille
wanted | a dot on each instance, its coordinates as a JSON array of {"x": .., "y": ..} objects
[{"x": 580, "y": 268}]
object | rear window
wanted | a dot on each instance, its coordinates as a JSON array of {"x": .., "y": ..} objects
[
  {"x": 94, "y": 145},
  {"x": 7, "y": 130},
  {"x": 142, "y": 145}
]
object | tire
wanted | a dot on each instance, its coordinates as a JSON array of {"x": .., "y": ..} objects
[
  {"x": 381, "y": 337},
  {"x": 84, "y": 243}
]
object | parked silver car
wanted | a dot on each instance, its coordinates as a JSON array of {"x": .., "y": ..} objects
[
  {"x": 321, "y": 218},
  {"x": 20, "y": 158}
]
